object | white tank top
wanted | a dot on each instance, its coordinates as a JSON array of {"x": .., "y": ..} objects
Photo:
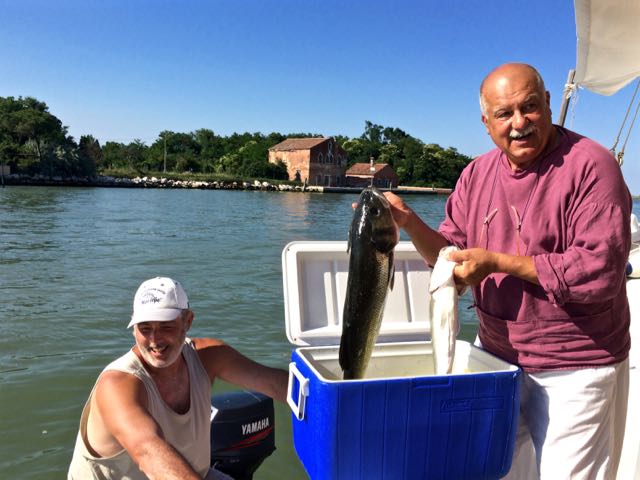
[{"x": 188, "y": 433}]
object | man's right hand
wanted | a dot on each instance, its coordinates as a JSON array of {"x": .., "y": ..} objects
[{"x": 401, "y": 211}]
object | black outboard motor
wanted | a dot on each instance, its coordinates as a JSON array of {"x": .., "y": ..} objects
[{"x": 242, "y": 432}]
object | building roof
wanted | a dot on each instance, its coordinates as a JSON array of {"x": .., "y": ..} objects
[
  {"x": 298, "y": 143},
  {"x": 364, "y": 169}
]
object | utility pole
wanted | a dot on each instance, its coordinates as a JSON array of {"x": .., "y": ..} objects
[{"x": 164, "y": 168}]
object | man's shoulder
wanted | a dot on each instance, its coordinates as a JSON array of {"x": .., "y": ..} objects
[
  {"x": 127, "y": 363},
  {"x": 115, "y": 384},
  {"x": 591, "y": 159},
  {"x": 585, "y": 147},
  {"x": 480, "y": 166},
  {"x": 202, "y": 343},
  {"x": 209, "y": 350},
  {"x": 115, "y": 377}
]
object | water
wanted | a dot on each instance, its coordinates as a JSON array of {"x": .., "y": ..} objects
[{"x": 71, "y": 259}]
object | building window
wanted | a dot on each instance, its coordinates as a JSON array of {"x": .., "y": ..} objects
[{"x": 320, "y": 158}]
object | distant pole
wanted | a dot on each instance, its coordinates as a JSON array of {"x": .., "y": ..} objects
[
  {"x": 164, "y": 168},
  {"x": 372, "y": 169}
]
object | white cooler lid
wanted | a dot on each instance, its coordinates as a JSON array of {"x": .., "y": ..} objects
[{"x": 315, "y": 282}]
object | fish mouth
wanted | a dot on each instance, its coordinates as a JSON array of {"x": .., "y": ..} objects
[{"x": 380, "y": 196}]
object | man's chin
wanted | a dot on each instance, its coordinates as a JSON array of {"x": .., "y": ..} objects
[
  {"x": 160, "y": 361},
  {"x": 523, "y": 158}
]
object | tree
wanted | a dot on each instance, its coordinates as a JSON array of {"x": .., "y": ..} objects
[
  {"x": 357, "y": 150},
  {"x": 135, "y": 154},
  {"x": 38, "y": 128},
  {"x": 30, "y": 134},
  {"x": 438, "y": 167},
  {"x": 32, "y": 140},
  {"x": 373, "y": 138},
  {"x": 113, "y": 155},
  {"x": 89, "y": 155}
]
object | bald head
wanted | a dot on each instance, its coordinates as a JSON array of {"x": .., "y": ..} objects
[
  {"x": 516, "y": 113},
  {"x": 505, "y": 72}
]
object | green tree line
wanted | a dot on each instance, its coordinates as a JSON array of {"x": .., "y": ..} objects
[{"x": 34, "y": 141}]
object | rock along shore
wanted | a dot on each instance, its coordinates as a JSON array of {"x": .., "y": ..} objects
[
  {"x": 154, "y": 182},
  {"x": 145, "y": 182}
]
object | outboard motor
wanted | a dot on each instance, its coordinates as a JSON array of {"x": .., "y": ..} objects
[{"x": 242, "y": 432}]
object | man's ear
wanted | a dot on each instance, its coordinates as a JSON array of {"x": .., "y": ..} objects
[
  {"x": 484, "y": 120},
  {"x": 188, "y": 318}
]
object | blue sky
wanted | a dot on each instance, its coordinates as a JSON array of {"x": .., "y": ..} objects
[{"x": 128, "y": 69}]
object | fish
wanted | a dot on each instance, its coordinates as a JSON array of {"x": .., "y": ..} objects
[
  {"x": 443, "y": 312},
  {"x": 373, "y": 236}
]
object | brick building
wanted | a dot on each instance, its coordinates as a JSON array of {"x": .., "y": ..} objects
[
  {"x": 359, "y": 175},
  {"x": 317, "y": 161}
]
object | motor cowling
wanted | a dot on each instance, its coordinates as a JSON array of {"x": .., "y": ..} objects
[{"x": 242, "y": 432}]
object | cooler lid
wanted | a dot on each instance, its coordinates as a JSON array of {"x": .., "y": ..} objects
[{"x": 315, "y": 282}]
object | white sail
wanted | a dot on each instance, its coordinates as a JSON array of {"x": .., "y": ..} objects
[{"x": 608, "y": 56}]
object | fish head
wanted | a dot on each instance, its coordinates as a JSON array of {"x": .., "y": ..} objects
[{"x": 376, "y": 220}]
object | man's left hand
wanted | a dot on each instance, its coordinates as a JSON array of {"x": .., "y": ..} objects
[{"x": 473, "y": 266}]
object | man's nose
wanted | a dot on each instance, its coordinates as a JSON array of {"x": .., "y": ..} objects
[
  {"x": 153, "y": 335},
  {"x": 518, "y": 120}
]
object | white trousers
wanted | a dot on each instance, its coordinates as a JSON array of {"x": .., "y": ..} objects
[{"x": 571, "y": 424}]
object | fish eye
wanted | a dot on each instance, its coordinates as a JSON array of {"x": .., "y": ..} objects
[{"x": 375, "y": 211}]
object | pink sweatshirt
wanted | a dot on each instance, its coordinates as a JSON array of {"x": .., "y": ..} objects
[{"x": 574, "y": 210}]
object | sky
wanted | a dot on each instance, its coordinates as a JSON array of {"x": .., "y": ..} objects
[{"x": 122, "y": 70}]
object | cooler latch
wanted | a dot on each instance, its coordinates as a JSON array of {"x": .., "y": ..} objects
[{"x": 303, "y": 391}]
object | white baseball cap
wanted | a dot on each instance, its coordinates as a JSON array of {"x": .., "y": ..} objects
[{"x": 159, "y": 299}]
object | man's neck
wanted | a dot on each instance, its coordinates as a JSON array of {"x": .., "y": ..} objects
[
  {"x": 173, "y": 383},
  {"x": 552, "y": 142}
]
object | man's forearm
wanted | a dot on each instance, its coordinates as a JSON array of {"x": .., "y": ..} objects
[
  {"x": 518, "y": 266},
  {"x": 427, "y": 241},
  {"x": 475, "y": 264},
  {"x": 160, "y": 461}
]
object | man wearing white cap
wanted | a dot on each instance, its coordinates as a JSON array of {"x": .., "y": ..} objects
[{"x": 148, "y": 415}]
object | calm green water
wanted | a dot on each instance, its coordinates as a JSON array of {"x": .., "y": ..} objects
[{"x": 71, "y": 259}]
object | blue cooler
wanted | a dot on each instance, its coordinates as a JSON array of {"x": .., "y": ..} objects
[{"x": 401, "y": 421}]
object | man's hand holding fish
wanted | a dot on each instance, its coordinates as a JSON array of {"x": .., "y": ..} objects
[{"x": 474, "y": 264}]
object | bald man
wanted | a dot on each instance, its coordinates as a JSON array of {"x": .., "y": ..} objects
[{"x": 542, "y": 224}]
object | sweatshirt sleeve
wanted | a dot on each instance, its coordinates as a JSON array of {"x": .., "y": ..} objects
[
  {"x": 594, "y": 263},
  {"x": 453, "y": 227}
]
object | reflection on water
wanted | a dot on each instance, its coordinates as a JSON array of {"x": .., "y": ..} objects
[{"x": 71, "y": 259}]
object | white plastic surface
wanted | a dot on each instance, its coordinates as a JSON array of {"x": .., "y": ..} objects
[
  {"x": 303, "y": 391},
  {"x": 315, "y": 282},
  {"x": 402, "y": 360}
]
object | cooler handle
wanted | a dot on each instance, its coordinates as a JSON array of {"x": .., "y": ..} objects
[{"x": 303, "y": 391}]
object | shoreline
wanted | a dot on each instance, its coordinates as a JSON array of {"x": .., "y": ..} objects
[{"x": 162, "y": 182}]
